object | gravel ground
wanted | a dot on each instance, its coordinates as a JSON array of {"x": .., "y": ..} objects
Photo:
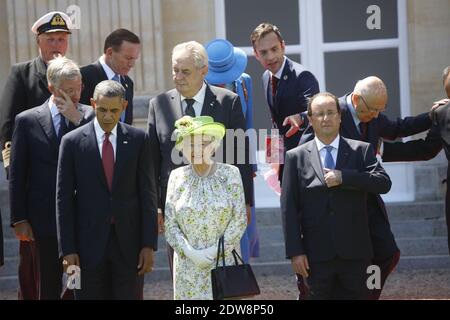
[{"x": 402, "y": 285}]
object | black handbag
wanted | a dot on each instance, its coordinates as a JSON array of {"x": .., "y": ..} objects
[{"x": 235, "y": 281}]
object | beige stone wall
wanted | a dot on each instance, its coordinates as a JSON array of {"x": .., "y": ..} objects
[
  {"x": 97, "y": 19},
  {"x": 4, "y": 45},
  {"x": 429, "y": 50},
  {"x": 184, "y": 21}
]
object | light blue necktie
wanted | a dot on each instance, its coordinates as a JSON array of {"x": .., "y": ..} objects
[
  {"x": 329, "y": 161},
  {"x": 117, "y": 79}
]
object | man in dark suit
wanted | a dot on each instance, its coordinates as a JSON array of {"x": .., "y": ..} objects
[
  {"x": 26, "y": 86},
  {"x": 32, "y": 183},
  {"x": 287, "y": 84},
  {"x": 121, "y": 50},
  {"x": 193, "y": 96},
  {"x": 438, "y": 137},
  {"x": 324, "y": 205},
  {"x": 106, "y": 200},
  {"x": 362, "y": 119}
]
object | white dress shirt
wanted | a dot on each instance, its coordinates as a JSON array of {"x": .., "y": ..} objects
[
  {"x": 323, "y": 151},
  {"x": 279, "y": 72},
  {"x": 109, "y": 72},
  {"x": 199, "y": 99},
  {"x": 100, "y": 135}
]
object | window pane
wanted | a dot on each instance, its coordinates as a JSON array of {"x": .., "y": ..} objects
[
  {"x": 243, "y": 16},
  {"x": 344, "y": 69},
  {"x": 345, "y": 20}
]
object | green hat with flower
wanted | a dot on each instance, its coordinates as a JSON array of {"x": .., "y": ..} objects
[{"x": 188, "y": 126}]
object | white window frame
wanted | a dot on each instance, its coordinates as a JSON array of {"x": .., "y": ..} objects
[{"x": 311, "y": 33}]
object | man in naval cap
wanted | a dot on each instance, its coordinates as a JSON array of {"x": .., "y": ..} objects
[{"x": 26, "y": 87}]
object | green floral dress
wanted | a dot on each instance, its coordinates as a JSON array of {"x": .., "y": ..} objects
[{"x": 201, "y": 210}]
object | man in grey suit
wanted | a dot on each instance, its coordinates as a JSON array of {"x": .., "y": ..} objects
[
  {"x": 32, "y": 182},
  {"x": 324, "y": 205},
  {"x": 192, "y": 96}
]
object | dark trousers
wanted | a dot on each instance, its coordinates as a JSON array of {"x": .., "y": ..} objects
[
  {"x": 170, "y": 258},
  {"x": 386, "y": 267},
  {"x": 1, "y": 241},
  {"x": 338, "y": 279},
  {"x": 113, "y": 279},
  {"x": 40, "y": 270},
  {"x": 385, "y": 250}
]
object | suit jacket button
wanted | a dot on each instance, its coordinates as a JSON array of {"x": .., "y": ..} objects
[{"x": 331, "y": 213}]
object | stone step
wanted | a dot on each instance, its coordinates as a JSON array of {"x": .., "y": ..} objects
[
  {"x": 268, "y": 235},
  {"x": 408, "y": 247},
  {"x": 11, "y": 247},
  {"x": 9, "y": 282},
  {"x": 283, "y": 267},
  {"x": 398, "y": 211},
  {"x": 401, "y": 229}
]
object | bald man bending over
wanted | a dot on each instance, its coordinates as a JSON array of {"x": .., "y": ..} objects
[{"x": 363, "y": 119}]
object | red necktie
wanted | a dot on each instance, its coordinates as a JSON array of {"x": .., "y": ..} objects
[
  {"x": 108, "y": 160},
  {"x": 274, "y": 81}
]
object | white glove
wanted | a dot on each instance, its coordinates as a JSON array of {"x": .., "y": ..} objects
[
  {"x": 211, "y": 253},
  {"x": 201, "y": 258}
]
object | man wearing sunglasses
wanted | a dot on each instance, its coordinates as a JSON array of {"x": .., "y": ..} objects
[{"x": 363, "y": 119}]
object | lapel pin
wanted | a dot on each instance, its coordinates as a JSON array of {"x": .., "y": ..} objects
[
  {"x": 125, "y": 142},
  {"x": 285, "y": 77}
]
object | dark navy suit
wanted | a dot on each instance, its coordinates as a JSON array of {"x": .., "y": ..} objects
[
  {"x": 438, "y": 137},
  {"x": 93, "y": 74},
  {"x": 25, "y": 88},
  {"x": 386, "y": 252},
  {"x": 86, "y": 210},
  {"x": 330, "y": 225},
  {"x": 295, "y": 86}
]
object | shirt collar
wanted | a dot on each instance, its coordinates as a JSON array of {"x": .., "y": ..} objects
[
  {"x": 280, "y": 72},
  {"x": 53, "y": 109},
  {"x": 200, "y": 96},
  {"x": 321, "y": 145},
  {"x": 352, "y": 109},
  {"x": 109, "y": 72},
  {"x": 100, "y": 133}
]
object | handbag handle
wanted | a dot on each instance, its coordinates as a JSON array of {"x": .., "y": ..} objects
[{"x": 221, "y": 252}]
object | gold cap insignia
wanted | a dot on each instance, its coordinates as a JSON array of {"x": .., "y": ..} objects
[{"x": 57, "y": 21}]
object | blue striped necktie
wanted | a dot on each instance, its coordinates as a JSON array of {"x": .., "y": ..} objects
[{"x": 329, "y": 161}]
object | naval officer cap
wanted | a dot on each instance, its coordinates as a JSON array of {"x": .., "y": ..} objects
[{"x": 52, "y": 22}]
